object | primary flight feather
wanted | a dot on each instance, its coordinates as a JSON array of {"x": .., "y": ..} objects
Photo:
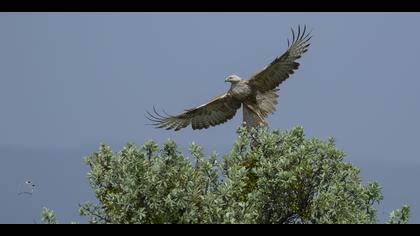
[{"x": 257, "y": 95}]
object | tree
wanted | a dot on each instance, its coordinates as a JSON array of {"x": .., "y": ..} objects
[{"x": 281, "y": 178}]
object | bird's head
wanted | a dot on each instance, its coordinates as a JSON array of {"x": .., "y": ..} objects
[{"x": 233, "y": 79}]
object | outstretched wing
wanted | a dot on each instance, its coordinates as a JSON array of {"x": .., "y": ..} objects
[
  {"x": 217, "y": 111},
  {"x": 282, "y": 67}
]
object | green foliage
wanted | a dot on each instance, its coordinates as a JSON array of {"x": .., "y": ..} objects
[
  {"x": 48, "y": 216},
  {"x": 268, "y": 177},
  {"x": 400, "y": 216}
]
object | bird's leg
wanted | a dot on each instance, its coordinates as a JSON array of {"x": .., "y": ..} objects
[
  {"x": 253, "y": 142},
  {"x": 256, "y": 111}
]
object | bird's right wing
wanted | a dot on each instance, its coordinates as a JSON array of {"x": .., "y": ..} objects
[{"x": 217, "y": 111}]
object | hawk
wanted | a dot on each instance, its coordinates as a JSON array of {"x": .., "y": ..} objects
[{"x": 257, "y": 95}]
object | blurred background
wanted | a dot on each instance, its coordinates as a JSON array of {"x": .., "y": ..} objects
[{"x": 70, "y": 81}]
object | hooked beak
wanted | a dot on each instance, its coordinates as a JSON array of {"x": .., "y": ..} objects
[{"x": 226, "y": 80}]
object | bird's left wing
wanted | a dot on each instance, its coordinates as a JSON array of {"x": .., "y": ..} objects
[
  {"x": 217, "y": 111},
  {"x": 282, "y": 67}
]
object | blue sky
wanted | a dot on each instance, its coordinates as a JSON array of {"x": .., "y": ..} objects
[{"x": 69, "y": 81}]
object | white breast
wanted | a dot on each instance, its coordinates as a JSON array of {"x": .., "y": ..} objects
[{"x": 240, "y": 90}]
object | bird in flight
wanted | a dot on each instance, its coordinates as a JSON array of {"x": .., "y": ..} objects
[
  {"x": 257, "y": 95},
  {"x": 30, "y": 187}
]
